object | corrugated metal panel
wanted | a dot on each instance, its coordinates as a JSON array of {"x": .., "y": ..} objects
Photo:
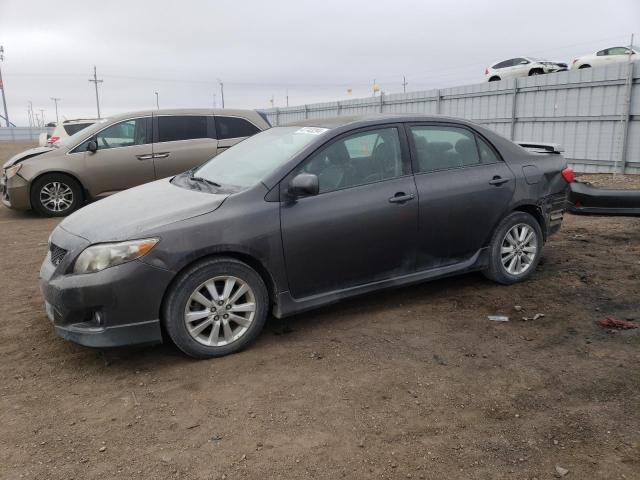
[
  {"x": 584, "y": 110},
  {"x": 21, "y": 134}
]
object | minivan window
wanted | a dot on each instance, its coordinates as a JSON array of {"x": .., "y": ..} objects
[
  {"x": 124, "y": 134},
  {"x": 75, "y": 127},
  {"x": 234, "y": 127},
  {"x": 357, "y": 159},
  {"x": 248, "y": 162},
  {"x": 181, "y": 127},
  {"x": 441, "y": 148}
]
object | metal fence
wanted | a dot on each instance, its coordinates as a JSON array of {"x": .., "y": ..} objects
[
  {"x": 594, "y": 113},
  {"x": 22, "y": 134}
]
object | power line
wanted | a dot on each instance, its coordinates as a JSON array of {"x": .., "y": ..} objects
[{"x": 95, "y": 81}]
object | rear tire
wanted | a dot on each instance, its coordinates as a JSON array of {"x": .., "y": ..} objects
[
  {"x": 216, "y": 307},
  {"x": 584, "y": 66},
  {"x": 56, "y": 195},
  {"x": 515, "y": 249},
  {"x": 494, "y": 79}
]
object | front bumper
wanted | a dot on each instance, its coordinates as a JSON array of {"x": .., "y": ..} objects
[
  {"x": 114, "y": 307},
  {"x": 14, "y": 192}
]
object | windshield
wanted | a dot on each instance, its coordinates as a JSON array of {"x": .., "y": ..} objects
[
  {"x": 251, "y": 160},
  {"x": 81, "y": 135}
]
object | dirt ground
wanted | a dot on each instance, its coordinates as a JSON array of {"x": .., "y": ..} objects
[{"x": 408, "y": 383}]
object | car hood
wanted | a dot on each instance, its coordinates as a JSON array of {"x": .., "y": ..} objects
[
  {"x": 136, "y": 212},
  {"x": 27, "y": 154}
]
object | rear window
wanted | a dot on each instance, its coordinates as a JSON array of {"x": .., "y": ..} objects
[
  {"x": 234, "y": 127},
  {"x": 75, "y": 127},
  {"x": 181, "y": 127}
]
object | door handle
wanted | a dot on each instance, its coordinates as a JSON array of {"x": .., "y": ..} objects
[
  {"x": 161, "y": 155},
  {"x": 497, "y": 181},
  {"x": 401, "y": 197},
  {"x": 144, "y": 157}
]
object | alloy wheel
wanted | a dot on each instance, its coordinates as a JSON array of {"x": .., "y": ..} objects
[
  {"x": 220, "y": 311},
  {"x": 56, "y": 196},
  {"x": 519, "y": 249}
]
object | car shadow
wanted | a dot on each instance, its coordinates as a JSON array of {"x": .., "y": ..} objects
[{"x": 346, "y": 314}]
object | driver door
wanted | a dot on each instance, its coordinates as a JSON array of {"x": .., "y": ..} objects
[
  {"x": 361, "y": 227},
  {"x": 124, "y": 157}
]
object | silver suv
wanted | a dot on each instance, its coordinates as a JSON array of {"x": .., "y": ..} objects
[{"x": 121, "y": 152}]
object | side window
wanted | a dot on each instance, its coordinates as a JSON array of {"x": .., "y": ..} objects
[
  {"x": 441, "y": 148},
  {"x": 506, "y": 63},
  {"x": 487, "y": 154},
  {"x": 181, "y": 127},
  {"x": 124, "y": 134},
  {"x": 601, "y": 53},
  {"x": 618, "y": 51},
  {"x": 518, "y": 61},
  {"x": 75, "y": 127},
  {"x": 357, "y": 159},
  {"x": 234, "y": 127}
]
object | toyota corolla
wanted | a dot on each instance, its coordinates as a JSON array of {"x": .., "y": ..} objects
[{"x": 297, "y": 217}]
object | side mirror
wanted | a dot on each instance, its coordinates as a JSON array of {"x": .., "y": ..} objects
[
  {"x": 92, "y": 146},
  {"x": 304, "y": 185},
  {"x": 524, "y": 62}
]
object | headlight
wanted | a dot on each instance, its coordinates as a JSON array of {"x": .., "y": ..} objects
[
  {"x": 12, "y": 171},
  {"x": 105, "y": 255}
]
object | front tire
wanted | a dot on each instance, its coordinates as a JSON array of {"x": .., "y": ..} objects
[
  {"x": 515, "y": 249},
  {"x": 55, "y": 195},
  {"x": 535, "y": 71},
  {"x": 217, "y": 307},
  {"x": 584, "y": 66}
]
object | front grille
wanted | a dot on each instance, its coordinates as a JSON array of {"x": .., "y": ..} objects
[{"x": 57, "y": 254}]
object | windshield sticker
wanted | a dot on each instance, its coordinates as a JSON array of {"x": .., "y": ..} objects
[{"x": 312, "y": 130}]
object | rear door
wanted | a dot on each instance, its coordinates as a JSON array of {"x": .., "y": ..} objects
[
  {"x": 362, "y": 225},
  {"x": 520, "y": 69},
  {"x": 123, "y": 158},
  {"x": 464, "y": 189},
  {"x": 181, "y": 142},
  {"x": 231, "y": 130}
]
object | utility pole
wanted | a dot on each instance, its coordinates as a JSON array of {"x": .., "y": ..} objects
[
  {"x": 42, "y": 115},
  {"x": 214, "y": 99},
  {"x": 56, "y": 100},
  {"x": 221, "y": 91},
  {"x": 32, "y": 121},
  {"x": 157, "y": 101},
  {"x": 287, "y": 97},
  {"x": 4, "y": 100},
  {"x": 404, "y": 84},
  {"x": 95, "y": 81}
]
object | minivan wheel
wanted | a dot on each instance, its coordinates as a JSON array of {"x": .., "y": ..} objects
[
  {"x": 515, "y": 249},
  {"x": 215, "y": 308},
  {"x": 55, "y": 195}
]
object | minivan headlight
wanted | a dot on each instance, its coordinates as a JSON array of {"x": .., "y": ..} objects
[
  {"x": 105, "y": 255},
  {"x": 12, "y": 171}
]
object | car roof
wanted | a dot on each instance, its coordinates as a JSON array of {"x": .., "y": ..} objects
[
  {"x": 185, "y": 111},
  {"x": 369, "y": 119}
]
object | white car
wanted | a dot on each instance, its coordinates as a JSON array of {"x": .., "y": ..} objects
[
  {"x": 608, "y": 56},
  {"x": 65, "y": 129},
  {"x": 521, "y": 67}
]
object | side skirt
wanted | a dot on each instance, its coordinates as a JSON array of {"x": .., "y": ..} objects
[{"x": 287, "y": 305}]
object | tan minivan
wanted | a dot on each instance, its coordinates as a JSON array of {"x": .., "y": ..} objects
[{"x": 121, "y": 152}]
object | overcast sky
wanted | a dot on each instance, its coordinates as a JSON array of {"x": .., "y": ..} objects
[{"x": 314, "y": 49}]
